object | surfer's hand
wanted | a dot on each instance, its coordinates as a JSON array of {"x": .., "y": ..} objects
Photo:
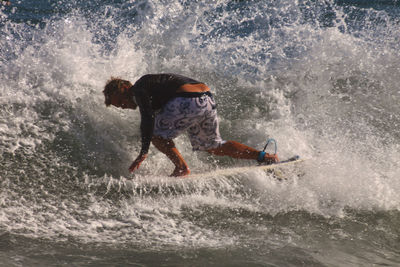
[{"x": 136, "y": 163}]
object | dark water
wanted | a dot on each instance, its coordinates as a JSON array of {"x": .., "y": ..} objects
[{"x": 321, "y": 77}]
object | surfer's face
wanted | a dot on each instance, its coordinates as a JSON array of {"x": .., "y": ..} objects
[{"x": 121, "y": 101}]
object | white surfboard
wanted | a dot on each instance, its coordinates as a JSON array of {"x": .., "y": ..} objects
[
  {"x": 143, "y": 185},
  {"x": 237, "y": 170}
]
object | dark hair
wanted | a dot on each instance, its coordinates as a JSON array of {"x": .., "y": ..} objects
[{"x": 113, "y": 86}]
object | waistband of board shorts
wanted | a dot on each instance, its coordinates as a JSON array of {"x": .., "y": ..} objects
[{"x": 193, "y": 94}]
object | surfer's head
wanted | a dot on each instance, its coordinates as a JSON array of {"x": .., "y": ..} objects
[{"x": 117, "y": 93}]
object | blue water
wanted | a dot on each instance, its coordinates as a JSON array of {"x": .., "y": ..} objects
[{"x": 320, "y": 77}]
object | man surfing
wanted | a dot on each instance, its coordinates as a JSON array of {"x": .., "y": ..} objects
[{"x": 171, "y": 104}]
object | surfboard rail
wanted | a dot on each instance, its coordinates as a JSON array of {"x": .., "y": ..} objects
[{"x": 235, "y": 170}]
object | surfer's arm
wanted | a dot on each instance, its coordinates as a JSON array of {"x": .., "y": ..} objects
[{"x": 146, "y": 126}]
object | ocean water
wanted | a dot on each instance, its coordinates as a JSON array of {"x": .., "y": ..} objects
[{"x": 321, "y": 77}]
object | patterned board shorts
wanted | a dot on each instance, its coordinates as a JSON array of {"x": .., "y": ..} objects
[{"x": 196, "y": 115}]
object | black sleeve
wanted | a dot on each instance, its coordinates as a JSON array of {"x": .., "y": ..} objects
[{"x": 147, "y": 119}]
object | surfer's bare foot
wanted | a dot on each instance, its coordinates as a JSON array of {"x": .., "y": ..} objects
[
  {"x": 180, "y": 172},
  {"x": 271, "y": 158}
]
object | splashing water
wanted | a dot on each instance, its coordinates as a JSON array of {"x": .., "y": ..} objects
[{"x": 321, "y": 78}]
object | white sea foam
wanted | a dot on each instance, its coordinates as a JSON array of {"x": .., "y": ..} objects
[{"x": 321, "y": 92}]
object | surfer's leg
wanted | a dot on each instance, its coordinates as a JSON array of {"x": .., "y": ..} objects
[
  {"x": 235, "y": 150},
  {"x": 167, "y": 146},
  {"x": 172, "y": 121},
  {"x": 204, "y": 135},
  {"x": 239, "y": 151}
]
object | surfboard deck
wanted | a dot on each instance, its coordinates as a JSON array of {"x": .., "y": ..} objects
[
  {"x": 148, "y": 185},
  {"x": 237, "y": 170}
]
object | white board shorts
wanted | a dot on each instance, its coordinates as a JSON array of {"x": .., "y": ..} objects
[{"x": 195, "y": 115}]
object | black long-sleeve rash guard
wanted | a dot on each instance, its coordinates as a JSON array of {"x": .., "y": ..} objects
[{"x": 152, "y": 92}]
